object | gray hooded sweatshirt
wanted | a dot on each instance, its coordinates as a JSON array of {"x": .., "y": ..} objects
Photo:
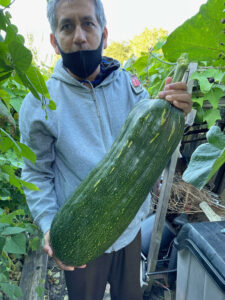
[{"x": 74, "y": 138}]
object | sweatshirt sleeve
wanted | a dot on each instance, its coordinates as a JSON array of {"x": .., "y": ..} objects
[{"x": 37, "y": 134}]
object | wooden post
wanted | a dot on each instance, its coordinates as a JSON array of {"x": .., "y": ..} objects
[
  {"x": 33, "y": 275},
  {"x": 160, "y": 216}
]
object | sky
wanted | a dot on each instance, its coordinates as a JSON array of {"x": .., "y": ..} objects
[{"x": 125, "y": 18}]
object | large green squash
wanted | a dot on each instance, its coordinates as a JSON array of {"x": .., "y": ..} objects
[{"x": 106, "y": 202}]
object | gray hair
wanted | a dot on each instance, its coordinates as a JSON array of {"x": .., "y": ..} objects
[{"x": 52, "y": 13}]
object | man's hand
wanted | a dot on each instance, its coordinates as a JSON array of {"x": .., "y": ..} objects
[
  {"x": 47, "y": 249},
  {"x": 177, "y": 94}
]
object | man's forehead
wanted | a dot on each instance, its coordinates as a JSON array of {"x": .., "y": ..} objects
[
  {"x": 70, "y": 2},
  {"x": 87, "y": 7}
]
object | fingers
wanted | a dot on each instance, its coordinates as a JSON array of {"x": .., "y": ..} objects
[
  {"x": 82, "y": 267},
  {"x": 181, "y": 97},
  {"x": 181, "y": 101},
  {"x": 178, "y": 86},
  {"x": 62, "y": 266},
  {"x": 47, "y": 249},
  {"x": 184, "y": 106},
  {"x": 177, "y": 94}
]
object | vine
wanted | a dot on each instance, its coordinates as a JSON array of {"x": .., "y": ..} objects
[{"x": 209, "y": 80}]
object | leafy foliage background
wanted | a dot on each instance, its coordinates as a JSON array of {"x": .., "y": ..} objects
[
  {"x": 18, "y": 75},
  {"x": 152, "y": 56}
]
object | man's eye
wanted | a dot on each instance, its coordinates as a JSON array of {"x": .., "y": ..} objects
[
  {"x": 66, "y": 27},
  {"x": 89, "y": 24}
]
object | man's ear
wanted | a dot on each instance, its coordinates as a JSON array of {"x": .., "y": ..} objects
[
  {"x": 105, "y": 35},
  {"x": 54, "y": 43}
]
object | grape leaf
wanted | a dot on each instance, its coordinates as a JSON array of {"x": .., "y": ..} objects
[
  {"x": 199, "y": 36},
  {"x": 213, "y": 96},
  {"x": 211, "y": 115},
  {"x": 206, "y": 159}
]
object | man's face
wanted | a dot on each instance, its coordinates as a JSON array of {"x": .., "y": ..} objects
[{"x": 77, "y": 28}]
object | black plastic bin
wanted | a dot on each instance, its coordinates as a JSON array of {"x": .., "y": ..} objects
[{"x": 201, "y": 261}]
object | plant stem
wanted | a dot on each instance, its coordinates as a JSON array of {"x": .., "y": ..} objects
[
  {"x": 162, "y": 61},
  {"x": 181, "y": 67}
]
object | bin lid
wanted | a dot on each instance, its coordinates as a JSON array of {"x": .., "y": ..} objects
[{"x": 206, "y": 241}]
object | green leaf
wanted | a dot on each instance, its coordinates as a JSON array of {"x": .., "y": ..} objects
[
  {"x": 13, "y": 230},
  {"x": 5, "y": 97},
  {"x": 2, "y": 243},
  {"x": 199, "y": 36},
  {"x": 213, "y": 96},
  {"x": 3, "y": 176},
  {"x": 4, "y": 113},
  {"x": 216, "y": 137},
  {"x": 5, "y": 144},
  {"x": 5, "y": 2},
  {"x": 8, "y": 15},
  {"x": 16, "y": 103},
  {"x": 27, "y": 152},
  {"x": 3, "y": 49},
  {"x": 16, "y": 244},
  {"x": 5, "y": 75},
  {"x": 15, "y": 181},
  {"x": 211, "y": 116},
  {"x": 205, "y": 85},
  {"x": 4, "y": 67},
  {"x": 21, "y": 56},
  {"x": 27, "y": 83},
  {"x": 40, "y": 290},
  {"x": 37, "y": 80},
  {"x": 13, "y": 158},
  {"x": 35, "y": 243},
  {"x": 8, "y": 169},
  {"x": 21, "y": 38},
  {"x": 141, "y": 63},
  {"x": 200, "y": 100},
  {"x": 8, "y": 218},
  {"x": 2, "y": 21},
  {"x": 11, "y": 33},
  {"x": 29, "y": 186},
  {"x": 214, "y": 73},
  {"x": 12, "y": 291},
  {"x": 31, "y": 228},
  {"x": 206, "y": 159},
  {"x": 52, "y": 105}
]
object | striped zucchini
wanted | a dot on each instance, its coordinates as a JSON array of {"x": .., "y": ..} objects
[{"x": 106, "y": 202}]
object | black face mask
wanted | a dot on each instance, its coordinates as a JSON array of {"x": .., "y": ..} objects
[{"x": 82, "y": 63}]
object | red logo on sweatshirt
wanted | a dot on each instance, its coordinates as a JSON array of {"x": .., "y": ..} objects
[{"x": 135, "y": 81}]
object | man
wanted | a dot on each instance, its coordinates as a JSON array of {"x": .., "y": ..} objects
[{"x": 93, "y": 97}]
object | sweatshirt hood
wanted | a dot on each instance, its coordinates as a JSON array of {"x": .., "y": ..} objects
[{"x": 110, "y": 66}]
